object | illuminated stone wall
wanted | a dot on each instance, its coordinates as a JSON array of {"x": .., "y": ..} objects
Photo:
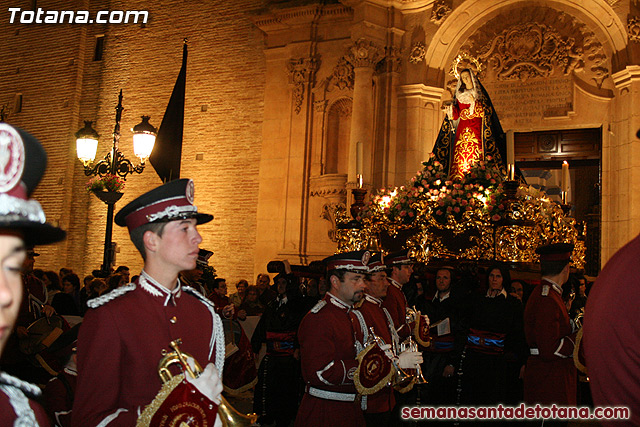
[{"x": 280, "y": 92}]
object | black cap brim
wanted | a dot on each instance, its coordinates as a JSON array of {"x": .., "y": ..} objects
[{"x": 35, "y": 233}]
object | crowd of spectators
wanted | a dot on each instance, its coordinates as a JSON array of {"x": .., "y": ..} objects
[{"x": 278, "y": 309}]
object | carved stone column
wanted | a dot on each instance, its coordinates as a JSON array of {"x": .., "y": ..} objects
[
  {"x": 384, "y": 155},
  {"x": 419, "y": 118},
  {"x": 363, "y": 55},
  {"x": 621, "y": 165}
]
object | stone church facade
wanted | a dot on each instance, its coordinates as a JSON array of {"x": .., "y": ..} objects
[{"x": 280, "y": 92}]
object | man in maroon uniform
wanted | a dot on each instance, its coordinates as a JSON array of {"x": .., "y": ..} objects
[
  {"x": 550, "y": 375},
  {"x": 379, "y": 405},
  {"x": 401, "y": 267},
  {"x": 327, "y": 337},
  {"x": 127, "y": 331},
  {"x": 22, "y": 222}
]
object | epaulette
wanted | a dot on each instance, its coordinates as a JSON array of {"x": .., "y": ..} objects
[
  {"x": 27, "y": 388},
  {"x": 110, "y": 296},
  {"x": 316, "y": 308},
  {"x": 205, "y": 300},
  {"x": 545, "y": 290}
]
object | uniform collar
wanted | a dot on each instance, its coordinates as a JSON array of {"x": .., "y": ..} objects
[
  {"x": 150, "y": 285},
  {"x": 554, "y": 285},
  {"x": 338, "y": 302},
  {"x": 441, "y": 298},
  {"x": 502, "y": 292},
  {"x": 373, "y": 299},
  {"x": 281, "y": 300},
  {"x": 394, "y": 283}
]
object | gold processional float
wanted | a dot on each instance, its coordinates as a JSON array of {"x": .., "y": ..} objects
[
  {"x": 487, "y": 215},
  {"x": 483, "y": 217}
]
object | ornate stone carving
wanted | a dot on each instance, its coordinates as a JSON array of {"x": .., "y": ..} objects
[
  {"x": 418, "y": 52},
  {"x": 392, "y": 61},
  {"x": 364, "y": 53},
  {"x": 514, "y": 48},
  {"x": 343, "y": 75},
  {"x": 440, "y": 12},
  {"x": 320, "y": 106},
  {"x": 343, "y": 107},
  {"x": 330, "y": 211},
  {"x": 633, "y": 28},
  {"x": 301, "y": 72},
  {"x": 331, "y": 186},
  {"x": 531, "y": 50}
]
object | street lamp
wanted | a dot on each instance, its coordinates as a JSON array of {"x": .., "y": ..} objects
[{"x": 114, "y": 163}]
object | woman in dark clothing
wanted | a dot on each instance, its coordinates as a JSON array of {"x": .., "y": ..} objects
[
  {"x": 276, "y": 394},
  {"x": 251, "y": 303},
  {"x": 495, "y": 339},
  {"x": 63, "y": 303},
  {"x": 71, "y": 286}
]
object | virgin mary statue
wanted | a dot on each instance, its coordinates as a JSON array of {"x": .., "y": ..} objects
[{"x": 470, "y": 131}]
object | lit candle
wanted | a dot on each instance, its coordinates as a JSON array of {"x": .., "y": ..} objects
[
  {"x": 359, "y": 156},
  {"x": 511, "y": 154},
  {"x": 565, "y": 177}
]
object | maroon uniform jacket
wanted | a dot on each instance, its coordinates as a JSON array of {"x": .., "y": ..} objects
[
  {"x": 328, "y": 357},
  {"x": 550, "y": 375},
  {"x": 122, "y": 340},
  {"x": 57, "y": 397},
  {"x": 612, "y": 336},
  {"x": 396, "y": 305},
  {"x": 16, "y": 408},
  {"x": 375, "y": 316}
]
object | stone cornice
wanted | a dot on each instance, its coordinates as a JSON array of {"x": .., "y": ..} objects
[
  {"x": 285, "y": 19},
  {"x": 404, "y": 5},
  {"x": 624, "y": 78},
  {"x": 421, "y": 90}
]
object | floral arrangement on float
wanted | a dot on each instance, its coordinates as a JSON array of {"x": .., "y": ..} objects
[
  {"x": 448, "y": 200},
  {"x": 483, "y": 216}
]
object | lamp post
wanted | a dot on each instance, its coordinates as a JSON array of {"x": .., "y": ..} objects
[{"x": 114, "y": 163}]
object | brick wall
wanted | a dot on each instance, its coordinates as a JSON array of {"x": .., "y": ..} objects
[{"x": 53, "y": 67}]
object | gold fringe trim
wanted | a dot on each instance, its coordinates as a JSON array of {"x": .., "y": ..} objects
[
  {"x": 144, "y": 419},
  {"x": 408, "y": 387},
  {"x": 46, "y": 366},
  {"x": 239, "y": 391},
  {"x": 356, "y": 376},
  {"x": 416, "y": 334},
  {"x": 576, "y": 350}
]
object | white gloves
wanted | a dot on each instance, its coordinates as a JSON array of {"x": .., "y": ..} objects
[
  {"x": 387, "y": 350},
  {"x": 208, "y": 383},
  {"x": 409, "y": 359}
]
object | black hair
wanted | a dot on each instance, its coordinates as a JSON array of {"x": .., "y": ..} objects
[
  {"x": 216, "y": 282},
  {"x": 552, "y": 268},
  {"x": 506, "y": 276},
  {"x": 137, "y": 235},
  {"x": 73, "y": 279},
  {"x": 339, "y": 273}
]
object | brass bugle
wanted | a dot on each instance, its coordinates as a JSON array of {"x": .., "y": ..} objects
[
  {"x": 229, "y": 416},
  {"x": 410, "y": 344},
  {"x": 400, "y": 378}
]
